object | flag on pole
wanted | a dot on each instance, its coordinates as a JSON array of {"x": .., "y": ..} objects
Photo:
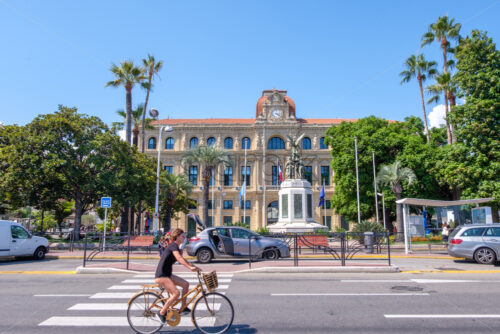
[
  {"x": 280, "y": 173},
  {"x": 322, "y": 196},
  {"x": 243, "y": 191}
]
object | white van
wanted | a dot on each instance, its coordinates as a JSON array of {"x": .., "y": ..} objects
[{"x": 16, "y": 241}]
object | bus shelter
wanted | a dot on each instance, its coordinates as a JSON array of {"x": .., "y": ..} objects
[{"x": 451, "y": 210}]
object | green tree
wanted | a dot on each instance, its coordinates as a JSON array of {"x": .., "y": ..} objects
[
  {"x": 62, "y": 210},
  {"x": 391, "y": 141},
  {"x": 27, "y": 178},
  {"x": 136, "y": 119},
  {"x": 91, "y": 160},
  {"x": 474, "y": 165},
  {"x": 394, "y": 175},
  {"x": 127, "y": 75},
  {"x": 445, "y": 86},
  {"x": 152, "y": 67},
  {"x": 417, "y": 67},
  {"x": 174, "y": 193},
  {"x": 208, "y": 158},
  {"x": 442, "y": 31}
]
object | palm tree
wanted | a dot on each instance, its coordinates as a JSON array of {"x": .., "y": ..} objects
[
  {"x": 208, "y": 157},
  {"x": 136, "y": 119},
  {"x": 394, "y": 175},
  {"x": 442, "y": 31},
  {"x": 444, "y": 85},
  {"x": 174, "y": 187},
  {"x": 417, "y": 66},
  {"x": 127, "y": 75},
  {"x": 152, "y": 68}
]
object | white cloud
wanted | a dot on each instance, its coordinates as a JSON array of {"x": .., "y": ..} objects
[
  {"x": 121, "y": 133},
  {"x": 436, "y": 116}
]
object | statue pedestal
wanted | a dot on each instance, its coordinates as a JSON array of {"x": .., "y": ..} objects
[{"x": 296, "y": 208}]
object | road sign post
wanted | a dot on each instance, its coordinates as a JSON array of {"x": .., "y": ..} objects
[{"x": 105, "y": 203}]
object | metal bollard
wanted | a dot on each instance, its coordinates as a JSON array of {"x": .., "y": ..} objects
[{"x": 369, "y": 242}]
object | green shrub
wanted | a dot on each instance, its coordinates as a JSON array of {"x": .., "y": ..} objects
[
  {"x": 263, "y": 231},
  {"x": 367, "y": 226}
]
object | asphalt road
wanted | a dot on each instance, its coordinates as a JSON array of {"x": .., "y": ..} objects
[{"x": 270, "y": 303}]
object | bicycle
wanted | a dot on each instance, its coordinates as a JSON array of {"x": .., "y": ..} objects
[{"x": 212, "y": 312}]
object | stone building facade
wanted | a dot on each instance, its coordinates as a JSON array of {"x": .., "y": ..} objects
[{"x": 264, "y": 137}]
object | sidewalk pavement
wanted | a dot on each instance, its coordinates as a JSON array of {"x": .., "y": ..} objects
[{"x": 142, "y": 261}]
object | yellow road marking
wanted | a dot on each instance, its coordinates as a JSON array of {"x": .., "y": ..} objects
[{"x": 38, "y": 272}]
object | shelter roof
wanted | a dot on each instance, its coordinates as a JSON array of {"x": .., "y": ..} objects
[{"x": 439, "y": 203}]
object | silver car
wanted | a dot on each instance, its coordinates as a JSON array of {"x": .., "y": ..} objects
[
  {"x": 476, "y": 242},
  {"x": 233, "y": 241}
]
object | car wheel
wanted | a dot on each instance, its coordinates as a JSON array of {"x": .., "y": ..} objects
[
  {"x": 484, "y": 256},
  {"x": 271, "y": 254},
  {"x": 204, "y": 255},
  {"x": 39, "y": 253}
]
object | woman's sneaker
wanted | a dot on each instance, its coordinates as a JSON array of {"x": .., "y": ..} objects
[{"x": 160, "y": 317}]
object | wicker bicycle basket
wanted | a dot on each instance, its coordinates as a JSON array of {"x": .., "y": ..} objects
[{"x": 210, "y": 280}]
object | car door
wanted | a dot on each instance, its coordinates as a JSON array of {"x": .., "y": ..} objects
[
  {"x": 241, "y": 239},
  {"x": 4, "y": 239},
  {"x": 492, "y": 238},
  {"x": 226, "y": 243},
  {"x": 21, "y": 242}
]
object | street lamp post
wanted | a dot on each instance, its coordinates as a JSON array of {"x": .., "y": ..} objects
[
  {"x": 154, "y": 113},
  {"x": 383, "y": 207}
]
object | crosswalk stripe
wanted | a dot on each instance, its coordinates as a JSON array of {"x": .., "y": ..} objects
[
  {"x": 152, "y": 281},
  {"x": 188, "y": 275},
  {"x": 441, "y": 316},
  {"x": 121, "y": 307},
  {"x": 106, "y": 321},
  {"x": 350, "y": 294},
  {"x": 119, "y": 295}
]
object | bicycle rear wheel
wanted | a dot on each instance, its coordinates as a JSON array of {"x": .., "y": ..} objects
[
  {"x": 213, "y": 314},
  {"x": 141, "y": 313}
]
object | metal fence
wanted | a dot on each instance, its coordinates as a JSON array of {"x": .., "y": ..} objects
[
  {"x": 341, "y": 248},
  {"x": 336, "y": 246}
]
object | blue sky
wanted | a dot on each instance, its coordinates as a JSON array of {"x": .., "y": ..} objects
[{"x": 337, "y": 59}]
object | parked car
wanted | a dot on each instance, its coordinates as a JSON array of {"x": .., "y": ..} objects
[
  {"x": 479, "y": 242},
  {"x": 233, "y": 241},
  {"x": 16, "y": 241}
]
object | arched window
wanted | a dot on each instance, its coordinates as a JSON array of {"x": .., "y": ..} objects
[
  {"x": 228, "y": 143},
  {"x": 169, "y": 143},
  {"x": 193, "y": 143},
  {"x": 306, "y": 143},
  {"x": 276, "y": 143},
  {"x": 152, "y": 143},
  {"x": 245, "y": 143},
  {"x": 322, "y": 143},
  {"x": 211, "y": 141}
]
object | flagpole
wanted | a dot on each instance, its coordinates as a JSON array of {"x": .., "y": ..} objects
[
  {"x": 357, "y": 177},
  {"x": 245, "y": 185},
  {"x": 324, "y": 206}
]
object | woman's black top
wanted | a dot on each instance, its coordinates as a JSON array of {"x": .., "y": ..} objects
[{"x": 167, "y": 260}]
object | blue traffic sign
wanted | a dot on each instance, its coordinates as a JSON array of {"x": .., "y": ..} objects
[{"x": 105, "y": 202}]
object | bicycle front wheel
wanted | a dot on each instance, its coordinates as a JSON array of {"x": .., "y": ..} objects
[
  {"x": 213, "y": 313},
  {"x": 141, "y": 312}
]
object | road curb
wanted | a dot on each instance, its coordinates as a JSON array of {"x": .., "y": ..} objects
[
  {"x": 388, "y": 269},
  {"x": 106, "y": 270}
]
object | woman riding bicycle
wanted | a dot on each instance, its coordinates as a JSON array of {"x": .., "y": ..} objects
[{"x": 164, "y": 276}]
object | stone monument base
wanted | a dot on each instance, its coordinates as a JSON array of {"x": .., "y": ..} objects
[{"x": 296, "y": 227}]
